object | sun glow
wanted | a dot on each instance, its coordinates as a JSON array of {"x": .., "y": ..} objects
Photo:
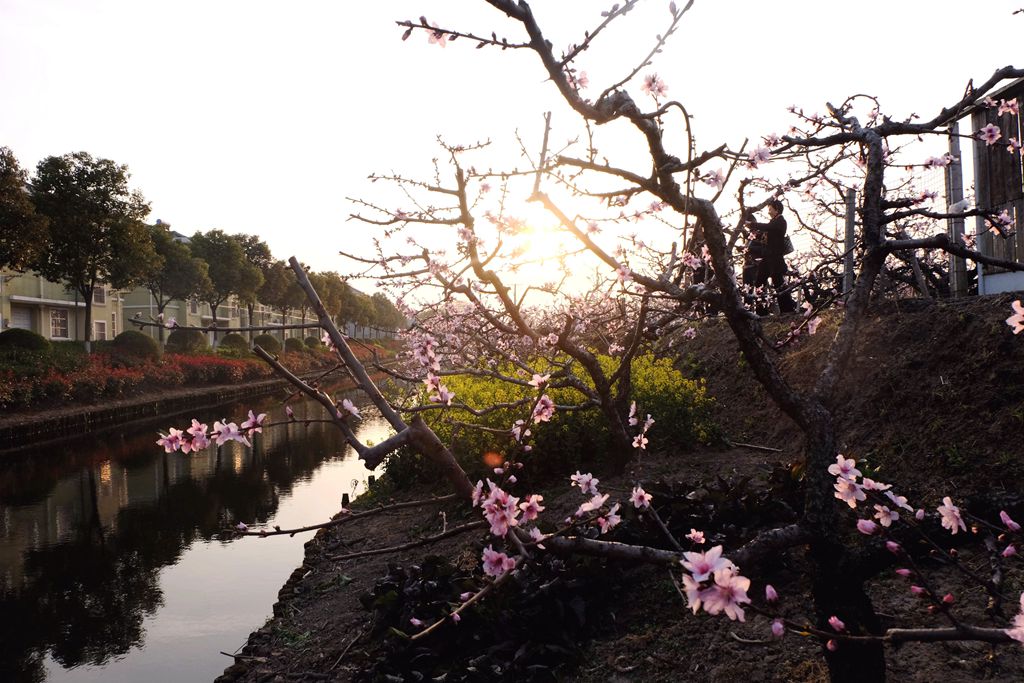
[{"x": 541, "y": 251}]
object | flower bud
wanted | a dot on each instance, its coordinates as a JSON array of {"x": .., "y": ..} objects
[
  {"x": 919, "y": 515},
  {"x": 917, "y": 590},
  {"x": 866, "y": 526},
  {"x": 893, "y": 547},
  {"x": 1010, "y": 551},
  {"x": 778, "y": 628},
  {"x": 903, "y": 571},
  {"x": 769, "y": 593},
  {"x": 948, "y": 598},
  {"x": 837, "y": 624},
  {"x": 832, "y": 645},
  {"x": 1010, "y": 524}
]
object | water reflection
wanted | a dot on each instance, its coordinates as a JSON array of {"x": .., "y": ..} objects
[{"x": 110, "y": 563}]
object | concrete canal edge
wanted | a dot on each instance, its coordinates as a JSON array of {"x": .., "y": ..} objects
[{"x": 22, "y": 432}]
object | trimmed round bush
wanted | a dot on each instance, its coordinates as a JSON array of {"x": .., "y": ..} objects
[
  {"x": 294, "y": 345},
  {"x": 16, "y": 338},
  {"x": 313, "y": 342},
  {"x": 268, "y": 343},
  {"x": 234, "y": 340},
  {"x": 186, "y": 341},
  {"x": 137, "y": 344}
]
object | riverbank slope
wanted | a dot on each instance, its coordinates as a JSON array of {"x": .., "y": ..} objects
[{"x": 933, "y": 401}]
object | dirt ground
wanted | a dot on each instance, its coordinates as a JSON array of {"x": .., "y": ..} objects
[{"x": 934, "y": 400}]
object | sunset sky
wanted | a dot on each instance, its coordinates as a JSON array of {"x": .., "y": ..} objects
[{"x": 261, "y": 117}]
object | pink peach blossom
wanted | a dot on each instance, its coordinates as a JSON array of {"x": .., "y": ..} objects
[
  {"x": 640, "y": 498},
  {"x": 496, "y": 563},
  {"x": 703, "y": 565},
  {"x": 950, "y": 515}
]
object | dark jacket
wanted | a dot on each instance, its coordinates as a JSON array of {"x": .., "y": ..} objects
[{"x": 775, "y": 235}]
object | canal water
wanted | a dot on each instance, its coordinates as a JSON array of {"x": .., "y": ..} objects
[{"x": 112, "y": 566}]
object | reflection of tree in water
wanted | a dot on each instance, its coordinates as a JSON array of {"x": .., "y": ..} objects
[{"x": 85, "y": 598}]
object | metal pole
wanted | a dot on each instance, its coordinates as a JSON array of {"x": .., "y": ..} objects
[
  {"x": 851, "y": 221},
  {"x": 955, "y": 194}
]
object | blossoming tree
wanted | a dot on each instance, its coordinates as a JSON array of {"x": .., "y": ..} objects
[{"x": 478, "y": 324}]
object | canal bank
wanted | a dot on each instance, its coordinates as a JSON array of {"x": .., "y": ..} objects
[{"x": 23, "y": 431}]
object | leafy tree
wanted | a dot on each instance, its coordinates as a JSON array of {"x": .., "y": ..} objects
[
  {"x": 258, "y": 254},
  {"x": 319, "y": 281},
  {"x": 22, "y": 230},
  {"x": 256, "y": 251},
  {"x": 229, "y": 270},
  {"x": 332, "y": 292},
  {"x": 180, "y": 274},
  {"x": 359, "y": 309},
  {"x": 386, "y": 316},
  {"x": 279, "y": 289},
  {"x": 96, "y": 229}
]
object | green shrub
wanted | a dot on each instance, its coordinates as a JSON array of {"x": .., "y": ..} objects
[
  {"x": 268, "y": 343},
  {"x": 233, "y": 352},
  {"x": 234, "y": 340},
  {"x": 313, "y": 342},
  {"x": 187, "y": 341},
  {"x": 60, "y": 356},
  {"x": 136, "y": 344},
  {"x": 294, "y": 345},
  {"x": 27, "y": 340},
  {"x": 681, "y": 408},
  {"x": 66, "y": 356}
]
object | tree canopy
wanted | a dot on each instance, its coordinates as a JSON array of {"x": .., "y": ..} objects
[
  {"x": 96, "y": 232},
  {"x": 180, "y": 274},
  {"x": 230, "y": 271},
  {"x": 22, "y": 230}
]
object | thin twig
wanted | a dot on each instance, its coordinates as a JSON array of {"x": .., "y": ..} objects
[
  {"x": 754, "y": 446},
  {"x": 345, "y": 651},
  {"x": 349, "y": 517},
  {"x": 454, "y": 531}
]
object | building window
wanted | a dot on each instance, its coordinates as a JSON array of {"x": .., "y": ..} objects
[
  {"x": 59, "y": 323},
  {"x": 101, "y": 330},
  {"x": 113, "y": 325},
  {"x": 99, "y": 295},
  {"x": 193, "y": 306}
]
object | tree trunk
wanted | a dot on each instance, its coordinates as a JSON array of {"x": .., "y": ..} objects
[
  {"x": 160, "y": 308},
  {"x": 427, "y": 443},
  {"x": 835, "y": 589},
  {"x": 213, "y": 314},
  {"x": 836, "y": 593},
  {"x": 87, "y": 293},
  {"x": 622, "y": 450}
]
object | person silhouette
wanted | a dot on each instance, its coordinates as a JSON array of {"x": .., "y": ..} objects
[{"x": 772, "y": 265}]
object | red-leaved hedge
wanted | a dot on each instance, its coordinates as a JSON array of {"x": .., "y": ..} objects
[{"x": 104, "y": 376}]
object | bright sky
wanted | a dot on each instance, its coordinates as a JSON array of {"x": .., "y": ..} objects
[{"x": 261, "y": 117}]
